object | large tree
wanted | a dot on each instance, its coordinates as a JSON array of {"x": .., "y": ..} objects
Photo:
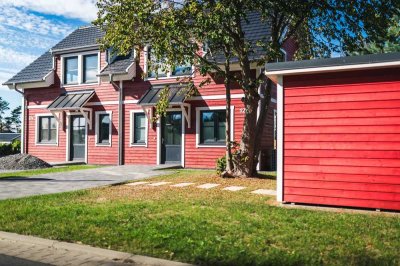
[
  {"x": 177, "y": 30},
  {"x": 4, "y": 106}
]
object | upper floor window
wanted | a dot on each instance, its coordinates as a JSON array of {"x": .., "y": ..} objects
[
  {"x": 162, "y": 70},
  {"x": 71, "y": 70},
  {"x": 47, "y": 130},
  {"x": 80, "y": 69},
  {"x": 90, "y": 66}
]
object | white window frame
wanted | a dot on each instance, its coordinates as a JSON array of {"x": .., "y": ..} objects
[
  {"x": 80, "y": 68},
  {"x": 169, "y": 73},
  {"x": 132, "y": 129},
  {"x": 97, "y": 124},
  {"x": 37, "y": 143},
  {"x": 198, "y": 124}
]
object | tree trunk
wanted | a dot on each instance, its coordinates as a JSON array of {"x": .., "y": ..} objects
[
  {"x": 229, "y": 163},
  {"x": 264, "y": 109}
]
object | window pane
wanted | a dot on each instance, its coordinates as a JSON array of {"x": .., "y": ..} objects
[
  {"x": 47, "y": 129},
  {"x": 90, "y": 68},
  {"x": 140, "y": 128},
  {"x": 71, "y": 70},
  {"x": 44, "y": 133},
  {"x": 159, "y": 64},
  {"x": 212, "y": 127},
  {"x": 182, "y": 70},
  {"x": 53, "y": 135},
  {"x": 104, "y": 130},
  {"x": 53, "y": 122},
  {"x": 221, "y": 126}
]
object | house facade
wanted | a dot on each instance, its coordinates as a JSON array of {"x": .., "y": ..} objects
[{"x": 80, "y": 104}]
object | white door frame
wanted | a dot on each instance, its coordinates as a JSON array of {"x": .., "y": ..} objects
[{"x": 182, "y": 138}]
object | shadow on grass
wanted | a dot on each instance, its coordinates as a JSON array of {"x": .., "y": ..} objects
[
  {"x": 266, "y": 175},
  {"x": 41, "y": 179}
]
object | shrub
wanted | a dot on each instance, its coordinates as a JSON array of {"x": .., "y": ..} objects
[
  {"x": 9, "y": 149},
  {"x": 221, "y": 165}
]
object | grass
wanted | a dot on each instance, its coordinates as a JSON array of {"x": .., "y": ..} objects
[
  {"x": 29, "y": 173},
  {"x": 209, "y": 227}
]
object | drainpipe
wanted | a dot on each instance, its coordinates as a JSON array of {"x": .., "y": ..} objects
[
  {"x": 120, "y": 118},
  {"x": 23, "y": 110}
]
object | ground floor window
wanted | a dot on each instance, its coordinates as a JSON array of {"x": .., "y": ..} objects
[
  {"x": 47, "y": 130},
  {"x": 103, "y": 128},
  {"x": 212, "y": 127},
  {"x": 138, "y": 128}
]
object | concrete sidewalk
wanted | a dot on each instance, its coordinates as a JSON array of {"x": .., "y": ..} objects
[
  {"x": 17, "y": 187},
  {"x": 21, "y": 250}
]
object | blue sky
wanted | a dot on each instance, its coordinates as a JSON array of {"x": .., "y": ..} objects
[{"x": 28, "y": 28}]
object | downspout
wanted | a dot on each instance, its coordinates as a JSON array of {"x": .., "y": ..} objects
[
  {"x": 120, "y": 118},
  {"x": 23, "y": 115}
]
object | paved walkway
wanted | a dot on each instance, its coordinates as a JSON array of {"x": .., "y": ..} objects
[
  {"x": 18, "y": 250},
  {"x": 267, "y": 192},
  {"x": 69, "y": 181}
]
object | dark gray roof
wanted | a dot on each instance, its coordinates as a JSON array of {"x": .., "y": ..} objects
[
  {"x": 329, "y": 62},
  {"x": 119, "y": 64},
  {"x": 9, "y": 137},
  {"x": 255, "y": 29},
  {"x": 71, "y": 100},
  {"x": 80, "y": 38},
  {"x": 36, "y": 71},
  {"x": 152, "y": 95}
]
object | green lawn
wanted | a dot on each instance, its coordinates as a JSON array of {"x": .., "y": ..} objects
[
  {"x": 209, "y": 227},
  {"x": 47, "y": 171}
]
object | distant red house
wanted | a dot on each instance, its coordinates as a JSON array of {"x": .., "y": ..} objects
[
  {"x": 81, "y": 104},
  {"x": 339, "y": 131}
]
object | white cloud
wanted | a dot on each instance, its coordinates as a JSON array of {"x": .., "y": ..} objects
[
  {"x": 13, "y": 59},
  {"x": 85, "y": 10},
  {"x": 23, "y": 20}
]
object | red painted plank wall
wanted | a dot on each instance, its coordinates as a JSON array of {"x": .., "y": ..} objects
[{"x": 342, "y": 139}]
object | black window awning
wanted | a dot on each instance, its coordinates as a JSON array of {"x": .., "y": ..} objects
[
  {"x": 71, "y": 100},
  {"x": 176, "y": 95}
]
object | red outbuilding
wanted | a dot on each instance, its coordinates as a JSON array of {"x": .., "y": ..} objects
[{"x": 339, "y": 131}]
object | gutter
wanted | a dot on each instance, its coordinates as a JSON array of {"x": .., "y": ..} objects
[{"x": 120, "y": 118}]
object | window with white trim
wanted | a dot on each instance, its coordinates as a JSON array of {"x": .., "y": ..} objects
[
  {"x": 80, "y": 69},
  {"x": 103, "y": 128},
  {"x": 212, "y": 127},
  {"x": 162, "y": 70},
  {"x": 47, "y": 130},
  {"x": 138, "y": 128}
]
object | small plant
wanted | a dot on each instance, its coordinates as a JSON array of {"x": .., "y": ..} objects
[{"x": 221, "y": 165}]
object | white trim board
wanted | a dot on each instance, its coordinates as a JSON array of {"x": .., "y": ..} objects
[
  {"x": 96, "y": 129},
  {"x": 132, "y": 129},
  {"x": 232, "y": 121},
  {"x": 279, "y": 169}
]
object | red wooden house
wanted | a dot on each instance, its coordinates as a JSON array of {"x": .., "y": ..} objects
[
  {"x": 339, "y": 131},
  {"x": 81, "y": 104}
]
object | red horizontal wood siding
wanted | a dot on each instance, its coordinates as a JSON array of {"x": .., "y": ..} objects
[{"x": 342, "y": 139}]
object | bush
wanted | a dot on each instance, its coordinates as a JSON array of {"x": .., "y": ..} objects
[
  {"x": 221, "y": 165},
  {"x": 9, "y": 149}
]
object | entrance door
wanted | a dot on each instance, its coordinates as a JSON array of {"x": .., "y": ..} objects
[
  {"x": 171, "y": 138},
  {"x": 77, "y": 137}
]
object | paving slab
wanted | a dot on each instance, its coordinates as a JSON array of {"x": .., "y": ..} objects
[
  {"x": 50, "y": 252},
  {"x": 234, "y": 188},
  {"x": 182, "y": 185},
  {"x": 159, "y": 184},
  {"x": 137, "y": 183},
  {"x": 268, "y": 192},
  {"x": 208, "y": 186},
  {"x": 17, "y": 187}
]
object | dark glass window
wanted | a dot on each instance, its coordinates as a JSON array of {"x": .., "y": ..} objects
[
  {"x": 139, "y": 132},
  {"x": 47, "y": 129},
  {"x": 71, "y": 70},
  {"x": 212, "y": 127},
  {"x": 160, "y": 69},
  {"x": 90, "y": 68},
  {"x": 104, "y": 129}
]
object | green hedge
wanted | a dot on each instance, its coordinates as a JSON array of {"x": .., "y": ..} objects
[{"x": 9, "y": 149}]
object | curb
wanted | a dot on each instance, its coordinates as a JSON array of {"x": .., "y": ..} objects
[{"x": 110, "y": 254}]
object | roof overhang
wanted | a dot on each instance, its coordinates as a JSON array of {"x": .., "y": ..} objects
[
  {"x": 316, "y": 66},
  {"x": 75, "y": 49},
  {"x": 46, "y": 81},
  {"x": 128, "y": 74}
]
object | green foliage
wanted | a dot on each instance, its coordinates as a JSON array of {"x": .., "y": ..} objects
[
  {"x": 4, "y": 106},
  {"x": 11, "y": 148},
  {"x": 221, "y": 165}
]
